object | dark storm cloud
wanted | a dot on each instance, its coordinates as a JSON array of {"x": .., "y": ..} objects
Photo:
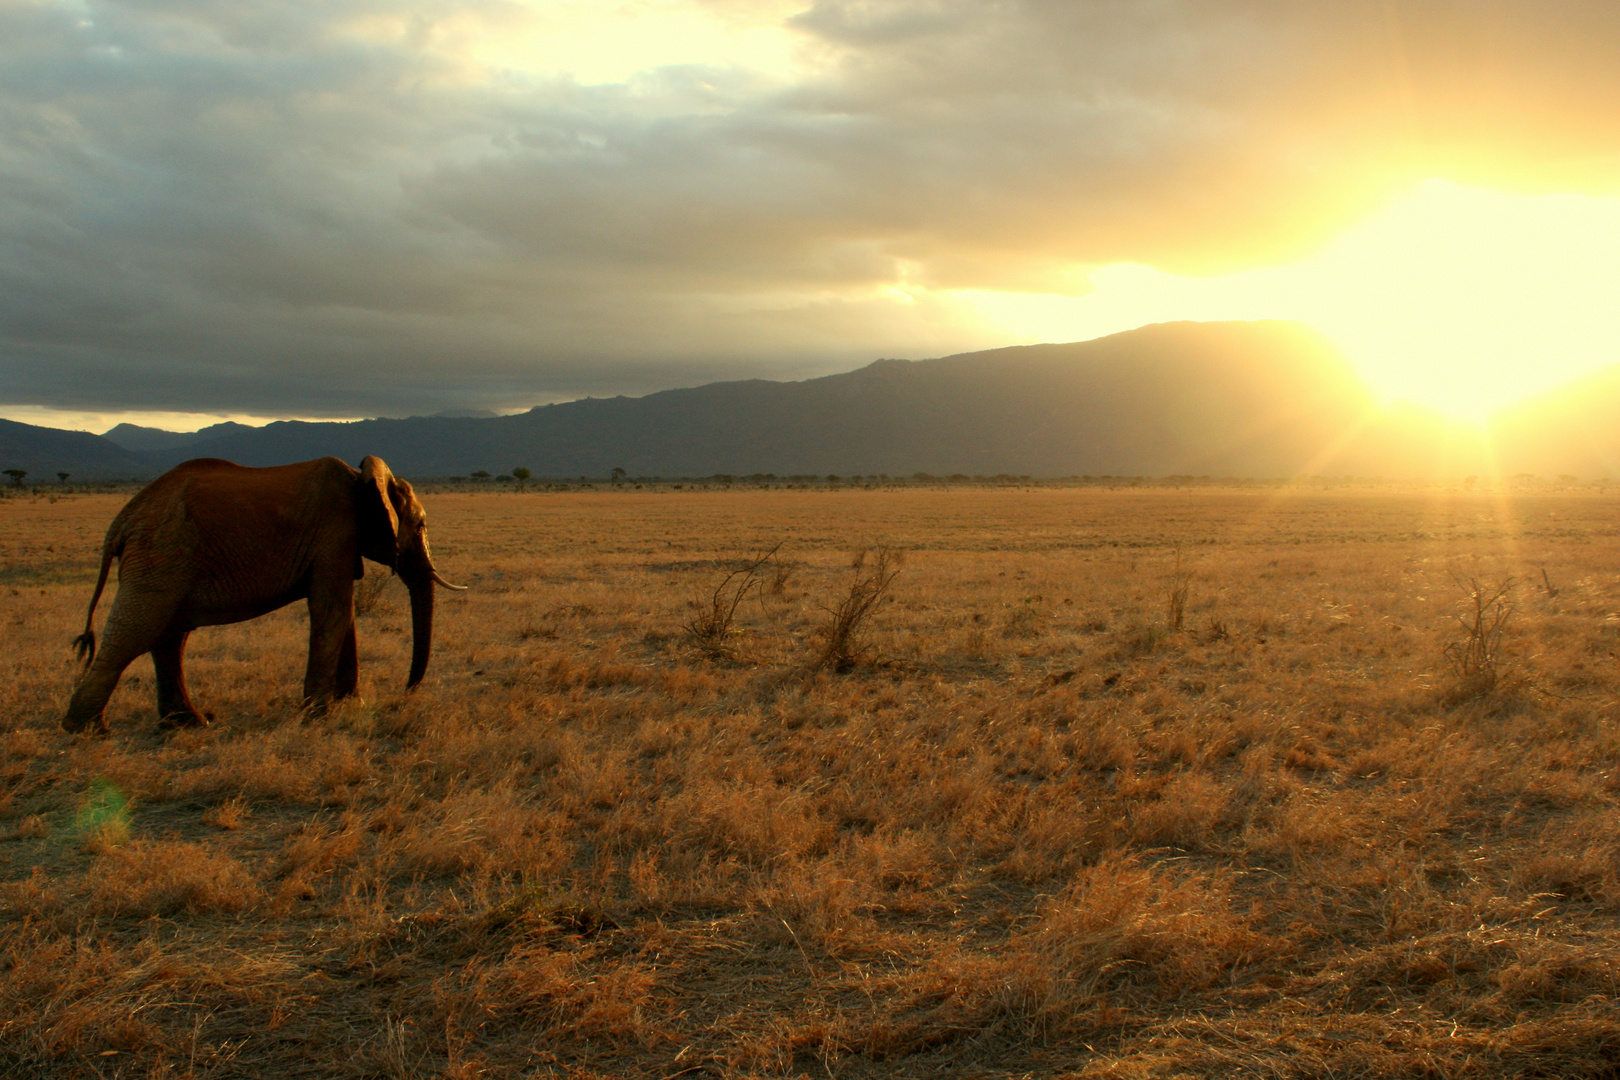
[{"x": 252, "y": 208}]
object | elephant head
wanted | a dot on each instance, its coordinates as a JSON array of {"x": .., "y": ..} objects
[{"x": 393, "y": 532}]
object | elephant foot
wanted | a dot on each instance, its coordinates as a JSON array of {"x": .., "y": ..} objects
[
  {"x": 182, "y": 718},
  {"x": 73, "y": 725}
]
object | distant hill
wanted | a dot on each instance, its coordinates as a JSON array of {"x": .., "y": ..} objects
[
  {"x": 43, "y": 452},
  {"x": 143, "y": 439},
  {"x": 1237, "y": 399},
  {"x": 1226, "y": 399}
]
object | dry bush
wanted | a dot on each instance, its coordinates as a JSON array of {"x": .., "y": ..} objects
[
  {"x": 843, "y": 647},
  {"x": 1178, "y": 589},
  {"x": 1477, "y": 660},
  {"x": 712, "y": 628}
]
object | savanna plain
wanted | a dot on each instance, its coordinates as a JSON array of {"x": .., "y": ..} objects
[{"x": 1097, "y": 783}]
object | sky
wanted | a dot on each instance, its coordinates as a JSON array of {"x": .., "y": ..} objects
[{"x": 254, "y": 210}]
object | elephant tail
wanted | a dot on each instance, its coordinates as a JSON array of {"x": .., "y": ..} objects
[{"x": 85, "y": 644}]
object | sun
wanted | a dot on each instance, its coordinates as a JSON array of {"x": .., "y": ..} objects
[
  {"x": 1469, "y": 300},
  {"x": 1458, "y": 298}
]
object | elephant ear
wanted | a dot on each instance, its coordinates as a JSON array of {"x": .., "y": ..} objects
[{"x": 379, "y": 523}]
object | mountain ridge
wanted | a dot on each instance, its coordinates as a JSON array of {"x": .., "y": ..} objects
[
  {"x": 139, "y": 439},
  {"x": 1237, "y": 399},
  {"x": 1149, "y": 401},
  {"x": 43, "y": 452}
]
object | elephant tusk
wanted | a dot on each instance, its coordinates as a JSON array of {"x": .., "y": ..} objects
[{"x": 439, "y": 580}]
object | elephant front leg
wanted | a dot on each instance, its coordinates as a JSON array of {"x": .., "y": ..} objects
[
  {"x": 333, "y": 669},
  {"x": 174, "y": 703},
  {"x": 348, "y": 669}
]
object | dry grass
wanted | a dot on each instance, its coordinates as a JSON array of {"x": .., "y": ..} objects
[{"x": 1061, "y": 829}]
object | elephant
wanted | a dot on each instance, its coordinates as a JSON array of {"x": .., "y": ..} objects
[{"x": 213, "y": 542}]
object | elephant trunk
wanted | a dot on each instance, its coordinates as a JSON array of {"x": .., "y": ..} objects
[{"x": 421, "y": 628}]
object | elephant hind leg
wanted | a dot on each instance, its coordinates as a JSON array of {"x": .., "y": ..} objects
[
  {"x": 136, "y": 624},
  {"x": 89, "y": 702},
  {"x": 174, "y": 703}
]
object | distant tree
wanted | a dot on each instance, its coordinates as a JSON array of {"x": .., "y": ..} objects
[
  {"x": 16, "y": 476},
  {"x": 61, "y": 477},
  {"x": 481, "y": 474},
  {"x": 617, "y": 475},
  {"x": 522, "y": 474}
]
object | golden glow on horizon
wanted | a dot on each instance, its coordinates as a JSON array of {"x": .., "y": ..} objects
[
  {"x": 100, "y": 422},
  {"x": 1462, "y": 299}
]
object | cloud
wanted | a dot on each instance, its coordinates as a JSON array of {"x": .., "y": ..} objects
[{"x": 379, "y": 208}]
